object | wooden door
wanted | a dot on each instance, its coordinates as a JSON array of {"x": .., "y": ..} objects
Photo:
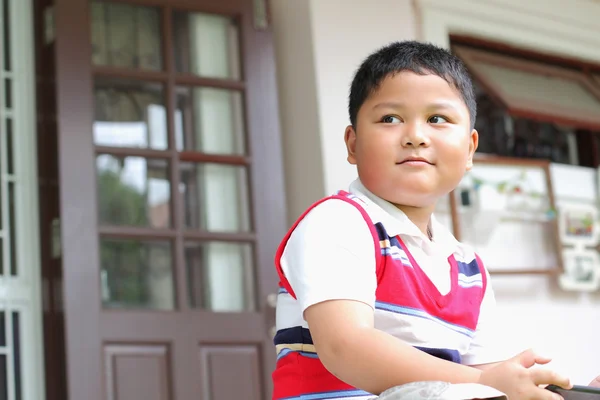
[{"x": 172, "y": 199}]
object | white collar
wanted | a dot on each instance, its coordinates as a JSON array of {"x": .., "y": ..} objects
[{"x": 397, "y": 223}]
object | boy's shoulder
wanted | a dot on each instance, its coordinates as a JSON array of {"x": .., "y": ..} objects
[
  {"x": 339, "y": 202},
  {"x": 337, "y": 205},
  {"x": 340, "y": 212}
]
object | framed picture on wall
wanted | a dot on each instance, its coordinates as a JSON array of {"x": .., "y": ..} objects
[
  {"x": 578, "y": 224},
  {"x": 582, "y": 270},
  {"x": 510, "y": 216}
]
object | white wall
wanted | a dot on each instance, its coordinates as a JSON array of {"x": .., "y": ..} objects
[
  {"x": 535, "y": 311},
  {"x": 298, "y": 103},
  {"x": 346, "y": 32},
  {"x": 319, "y": 44},
  {"x": 568, "y": 28}
]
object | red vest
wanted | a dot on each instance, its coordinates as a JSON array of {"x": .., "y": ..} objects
[{"x": 403, "y": 291}]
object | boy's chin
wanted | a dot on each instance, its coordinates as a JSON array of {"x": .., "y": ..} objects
[
  {"x": 425, "y": 203},
  {"x": 415, "y": 194}
]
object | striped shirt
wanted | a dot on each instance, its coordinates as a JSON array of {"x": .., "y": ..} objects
[{"x": 358, "y": 247}]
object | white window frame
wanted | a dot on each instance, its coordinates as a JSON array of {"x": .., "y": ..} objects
[{"x": 22, "y": 292}]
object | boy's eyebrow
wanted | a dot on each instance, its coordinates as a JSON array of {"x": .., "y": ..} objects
[
  {"x": 443, "y": 105},
  {"x": 440, "y": 105},
  {"x": 389, "y": 104}
]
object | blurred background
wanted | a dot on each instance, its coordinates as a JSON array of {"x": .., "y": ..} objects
[{"x": 153, "y": 153}]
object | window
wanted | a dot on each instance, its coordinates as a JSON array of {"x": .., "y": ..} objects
[
  {"x": 172, "y": 159},
  {"x": 533, "y": 106}
]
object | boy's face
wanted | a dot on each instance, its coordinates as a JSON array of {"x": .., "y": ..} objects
[{"x": 413, "y": 141}]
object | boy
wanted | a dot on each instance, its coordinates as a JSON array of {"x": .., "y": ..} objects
[{"x": 389, "y": 295}]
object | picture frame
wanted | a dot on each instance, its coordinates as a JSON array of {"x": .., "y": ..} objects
[
  {"x": 582, "y": 270},
  {"x": 578, "y": 224},
  {"x": 524, "y": 202}
]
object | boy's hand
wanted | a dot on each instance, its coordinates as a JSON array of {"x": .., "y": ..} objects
[
  {"x": 595, "y": 382},
  {"x": 519, "y": 381}
]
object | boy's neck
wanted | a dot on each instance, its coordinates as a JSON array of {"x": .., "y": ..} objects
[{"x": 420, "y": 216}]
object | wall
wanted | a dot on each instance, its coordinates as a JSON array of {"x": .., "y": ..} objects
[
  {"x": 298, "y": 103},
  {"x": 543, "y": 25},
  {"x": 319, "y": 44},
  {"x": 534, "y": 312}
]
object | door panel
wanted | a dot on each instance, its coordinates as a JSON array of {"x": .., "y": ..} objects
[
  {"x": 137, "y": 372},
  {"x": 172, "y": 198},
  {"x": 239, "y": 365}
]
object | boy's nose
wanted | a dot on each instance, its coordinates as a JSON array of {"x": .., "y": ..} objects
[
  {"x": 415, "y": 137},
  {"x": 415, "y": 143}
]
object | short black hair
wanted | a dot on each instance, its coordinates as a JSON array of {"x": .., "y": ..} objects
[{"x": 413, "y": 56}]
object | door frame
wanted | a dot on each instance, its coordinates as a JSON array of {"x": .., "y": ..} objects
[{"x": 78, "y": 204}]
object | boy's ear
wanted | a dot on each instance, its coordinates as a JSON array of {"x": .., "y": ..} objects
[
  {"x": 350, "y": 139},
  {"x": 473, "y": 143}
]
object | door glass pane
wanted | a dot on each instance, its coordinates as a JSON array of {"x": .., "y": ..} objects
[
  {"x": 10, "y": 165},
  {"x": 2, "y": 330},
  {"x": 206, "y": 45},
  {"x": 7, "y": 93},
  {"x": 7, "y": 39},
  {"x": 136, "y": 274},
  {"x": 11, "y": 350},
  {"x": 133, "y": 191},
  {"x": 17, "y": 354},
  {"x": 215, "y": 197},
  {"x": 220, "y": 276},
  {"x": 130, "y": 114},
  {"x": 12, "y": 205},
  {"x": 210, "y": 121},
  {"x": 3, "y": 377},
  {"x": 125, "y": 35}
]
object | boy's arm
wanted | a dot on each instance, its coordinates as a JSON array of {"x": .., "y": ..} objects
[
  {"x": 330, "y": 264},
  {"x": 351, "y": 348},
  {"x": 362, "y": 356},
  {"x": 484, "y": 367}
]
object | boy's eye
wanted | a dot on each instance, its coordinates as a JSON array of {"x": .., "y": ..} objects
[
  {"x": 437, "y": 119},
  {"x": 390, "y": 119}
]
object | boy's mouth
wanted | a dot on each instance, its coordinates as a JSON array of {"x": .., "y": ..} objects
[{"x": 415, "y": 161}]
